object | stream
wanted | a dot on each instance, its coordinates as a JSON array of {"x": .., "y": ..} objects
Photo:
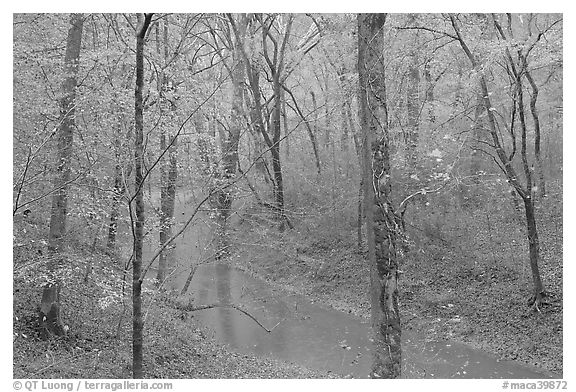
[
  {"x": 322, "y": 338},
  {"x": 306, "y": 333}
]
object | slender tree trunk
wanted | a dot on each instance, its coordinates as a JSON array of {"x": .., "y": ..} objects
[
  {"x": 359, "y": 219},
  {"x": 534, "y": 251},
  {"x": 257, "y": 126},
  {"x": 275, "y": 151},
  {"x": 66, "y": 134},
  {"x": 49, "y": 315},
  {"x": 137, "y": 320},
  {"x": 114, "y": 211},
  {"x": 232, "y": 138},
  {"x": 168, "y": 170},
  {"x": 475, "y": 158},
  {"x": 311, "y": 132},
  {"x": 413, "y": 109},
  {"x": 525, "y": 192},
  {"x": 380, "y": 219},
  {"x": 329, "y": 140},
  {"x": 537, "y": 135},
  {"x": 169, "y": 174},
  {"x": 285, "y": 124}
]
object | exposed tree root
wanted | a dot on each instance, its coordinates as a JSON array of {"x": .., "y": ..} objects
[{"x": 536, "y": 301}]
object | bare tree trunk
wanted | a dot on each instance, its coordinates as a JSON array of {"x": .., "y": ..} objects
[
  {"x": 475, "y": 158},
  {"x": 359, "y": 219},
  {"x": 413, "y": 109},
  {"x": 137, "y": 320},
  {"x": 380, "y": 219},
  {"x": 275, "y": 151},
  {"x": 285, "y": 124},
  {"x": 311, "y": 132},
  {"x": 169, "y": 174},
  {"x": 232, "y": 138},
  {"x": 168, "y": 171},
  {"x": 116, "y": 195},
  {"x": 537, "y": 136},
  {"x": 525, "y": 192},
  {"x": 49, "y": 316},
  {"x": 66, "y": 134},
  {"x": 329, "y": 140},
  {"x": 534, "y": 251}
]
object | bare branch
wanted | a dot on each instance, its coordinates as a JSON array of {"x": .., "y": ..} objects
[{"x": 192, "y": 308}]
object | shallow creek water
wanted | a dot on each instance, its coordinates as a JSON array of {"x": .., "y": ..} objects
[
  {"x": 308, "y": 334},
  {"x": 322, "y": 338}
]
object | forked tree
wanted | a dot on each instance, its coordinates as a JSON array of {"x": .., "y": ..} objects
[{"x": 518, "y": 70}]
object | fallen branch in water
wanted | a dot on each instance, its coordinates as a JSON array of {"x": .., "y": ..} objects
[{"x": 192, "y": 308}]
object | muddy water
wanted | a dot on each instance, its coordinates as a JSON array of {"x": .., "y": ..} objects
[
  {"x": 303, "y": 332},
  {"x": 321, "y": 338}
]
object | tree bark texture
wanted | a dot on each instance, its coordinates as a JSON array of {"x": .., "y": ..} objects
[
  {"x": 380, "y": 218},
  {"x": 66, "y": 134},
  {"x": 49, "y": 315},
  {"x": 534, "y": 251},
  {"x": 137, "y": 320}
]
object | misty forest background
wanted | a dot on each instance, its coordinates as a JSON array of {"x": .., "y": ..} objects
[{"x": 270, "y": 133}]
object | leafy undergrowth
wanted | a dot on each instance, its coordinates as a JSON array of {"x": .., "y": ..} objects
[
  {"x": 466, "y": 277},
  {"x": 98, "y": 342}
]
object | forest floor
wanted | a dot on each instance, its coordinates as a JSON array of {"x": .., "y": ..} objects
[
  {"x": 98, "y": 343},
  {"x": 465, "y": 279}
]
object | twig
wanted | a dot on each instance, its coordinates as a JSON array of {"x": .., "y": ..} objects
[{"x": 191, "y": 308}]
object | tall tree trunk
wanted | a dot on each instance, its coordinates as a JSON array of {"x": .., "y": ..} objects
[
  {"x": 232, "y": 138},
  {"x": 537, "y": 135},
  {"x": 525, "y": 192},
  {"x": 328, "y": 138},
  {"x": 65, "y": 134},
  {"x": 413, "y": 109},
  {"x": 119, "y": 189},
  {"x": 380, "y": 219},
  {"x": 476, "y": 143},
  {"x": 168, "y": 170},
  {"x": 285, "y": 124},
  {"x": 137, "y": 320},
  {"x": 116, "y": 195},
  {"x": 49, "y": 316},
  {"x": 311, "y": 132},
  {"x": 275, "y": 151}
]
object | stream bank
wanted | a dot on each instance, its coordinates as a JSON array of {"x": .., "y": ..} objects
[
  {"x": 300, "y": 331},
  {"x": 440, "y": 298}
]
